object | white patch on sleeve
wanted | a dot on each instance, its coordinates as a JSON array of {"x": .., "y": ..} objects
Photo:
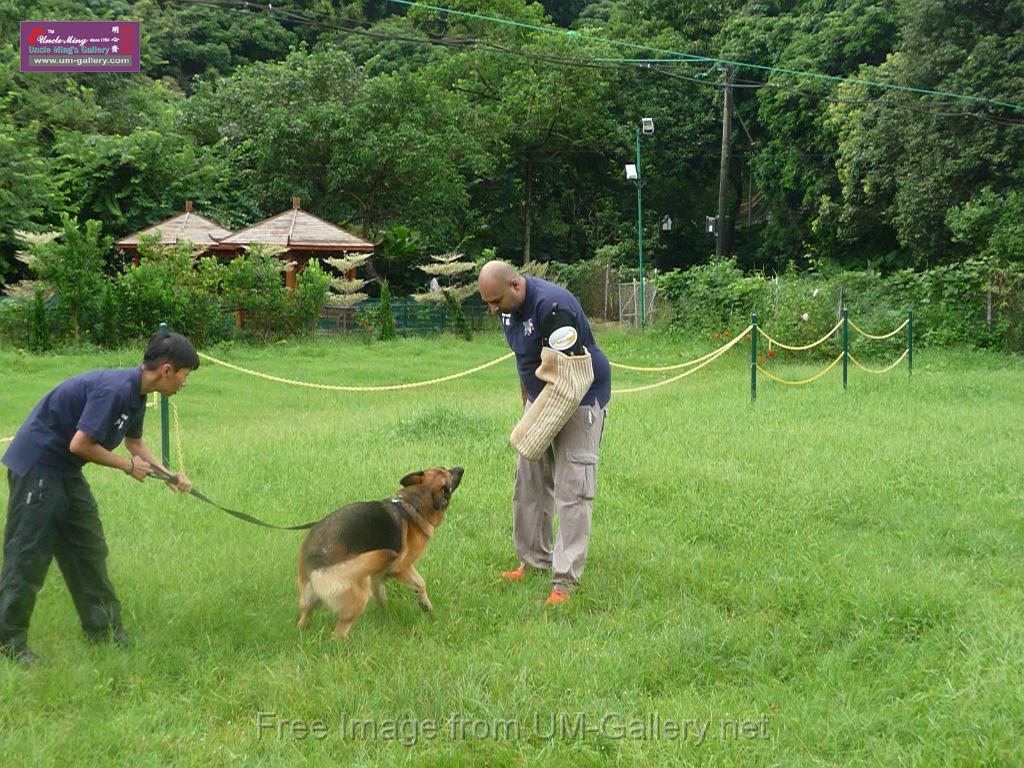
[{"x": 563, "y": 338}]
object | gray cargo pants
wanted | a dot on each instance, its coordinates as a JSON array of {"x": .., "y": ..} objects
[{"x": 563, "y": 481}]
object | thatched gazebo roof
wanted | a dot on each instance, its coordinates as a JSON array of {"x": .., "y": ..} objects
[
  {"x": 188, "y": 226},
  {"x": 296, "y": 230}
]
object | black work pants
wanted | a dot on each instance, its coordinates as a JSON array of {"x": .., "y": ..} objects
[{"x": 48, "y": 517}]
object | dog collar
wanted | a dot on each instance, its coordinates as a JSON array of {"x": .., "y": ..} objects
[{"x": 414, "y": 516}]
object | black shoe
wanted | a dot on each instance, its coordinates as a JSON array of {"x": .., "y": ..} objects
[
  {"x": 119, "y": 637},
  {"x": 20, "y": 654},
  {"x": 116, "y": 635}
]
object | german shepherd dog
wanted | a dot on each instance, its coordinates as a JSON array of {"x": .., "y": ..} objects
[{"x": 347, "y": 556}]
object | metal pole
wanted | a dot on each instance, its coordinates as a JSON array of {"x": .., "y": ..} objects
[
  {"x": 607, "y": 281},
  {"x": 636, "y": 315},
  {"x": 910, "y": 342},
  {"x": 846, "y": 342},
  {"x": 640, "y": 227},
  {"x": 165, "y": 421},
  {"x": 721, "y": 245},
  {"x": 753, "y": 358}
]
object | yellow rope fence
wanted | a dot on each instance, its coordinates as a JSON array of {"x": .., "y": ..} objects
[
  {"x": 839, "y": 358},
  {"x": 708, "y": 359},
  {"x": 677, "y": 366},
  {"x": 804, "y": 348},
  {"x": 342, "y": 388},
  {"x": 878, "y": 338},
  {"x": 817, "y": 376},
  {"x": 880, "y": 370},
  {"x": 177, "y": 435},
  {"x": 694, "y": 365}
]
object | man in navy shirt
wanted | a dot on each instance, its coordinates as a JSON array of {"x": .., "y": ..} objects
[
  {"x": 537, "y": 314},
  {"x": 51, "y": 510}
]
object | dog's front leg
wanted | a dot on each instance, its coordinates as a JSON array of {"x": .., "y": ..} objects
[{"x": 419, "y": 587}]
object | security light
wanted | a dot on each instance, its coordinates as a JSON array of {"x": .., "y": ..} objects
[
  {"x": 631, "y": 174},
  {"x": 648, "y": 125}
]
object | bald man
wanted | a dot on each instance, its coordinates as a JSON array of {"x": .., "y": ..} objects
[{"x": 537, "y": 314}]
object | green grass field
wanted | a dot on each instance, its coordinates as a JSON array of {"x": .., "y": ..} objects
[{"x": 823, "y": 578}]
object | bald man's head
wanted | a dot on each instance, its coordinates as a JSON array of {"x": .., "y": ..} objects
[{"x": 501, "y": 287}]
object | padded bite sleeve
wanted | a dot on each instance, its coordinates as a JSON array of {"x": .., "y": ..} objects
[{"x": 567, "y": 377}]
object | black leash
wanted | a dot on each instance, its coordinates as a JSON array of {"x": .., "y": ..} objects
[{"x": 158, "y": 475}]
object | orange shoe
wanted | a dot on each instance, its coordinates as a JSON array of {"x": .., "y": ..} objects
[
  {"x": 557, "y": 597},
  {"x": 517, "y": 575}
]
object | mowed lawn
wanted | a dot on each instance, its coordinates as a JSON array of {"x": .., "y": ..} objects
[{"x": 821, "y": 578}]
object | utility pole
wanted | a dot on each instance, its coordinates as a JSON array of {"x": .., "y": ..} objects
[{"x": 722, "y": 230}]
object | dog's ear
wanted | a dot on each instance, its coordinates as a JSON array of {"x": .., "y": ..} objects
[
  {"x": 456, "y": 473},
  {"x": 413, "y": 478}
]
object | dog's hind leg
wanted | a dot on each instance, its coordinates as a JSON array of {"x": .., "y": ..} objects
[
  {"x": 379, "y": 591},
  {"x": 351, "y": 606},
  {"x": 308, "y": 600},
  {"x": 346, "y": 587}
]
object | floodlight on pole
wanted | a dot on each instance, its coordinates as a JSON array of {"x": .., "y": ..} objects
[{"x": 647, "y": 128}]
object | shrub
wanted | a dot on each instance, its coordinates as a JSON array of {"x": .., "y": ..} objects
[
  {"x": 308, "y": 298},
  {"x": 385, "y": 317},
  {"x": 365, "y": 324},
  {"x": 40, "y": 339},
  {"x": 166, "y": 287},
  {"x": 456, "y": 316},
  {"x": 713, "y": 297},
  {"x": 593, "y": 282},
  {"x": 15, "y": 322},
  {"x": 72, "y": 264},
  {"x": 253, "y": 287}
]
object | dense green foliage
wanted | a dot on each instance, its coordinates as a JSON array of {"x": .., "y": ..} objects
[
  {"x": 944, "y": 300},
  {"x": 195, "y": 296},
  {"x": 427, "y": 130},
  {"x": 167, "y": 287}
]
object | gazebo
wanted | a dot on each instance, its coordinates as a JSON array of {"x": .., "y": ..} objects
[
  {"x": 189, "y": 226},
  {"x": 302, "y": 236}
]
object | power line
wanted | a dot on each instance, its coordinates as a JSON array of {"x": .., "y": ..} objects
[
  {"x": 640, "y": 63},
  {"x": 691, "y": 58},
  {"x": 877, "y": 101}
]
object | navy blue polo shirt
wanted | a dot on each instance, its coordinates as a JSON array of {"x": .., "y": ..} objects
[
  {"x": 522, "y": 331},
  {"x": 107, "y": 405}
]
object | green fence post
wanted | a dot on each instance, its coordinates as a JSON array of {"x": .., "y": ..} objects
[
  {"x": 910, "y": 342},
  {"x": 165, "y": 421},
  {"x": 753, "y": 358},
  {"x": 846, "y": 342}
]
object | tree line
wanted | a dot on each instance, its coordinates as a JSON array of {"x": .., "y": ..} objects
[{"x": 454, "y": 131}]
